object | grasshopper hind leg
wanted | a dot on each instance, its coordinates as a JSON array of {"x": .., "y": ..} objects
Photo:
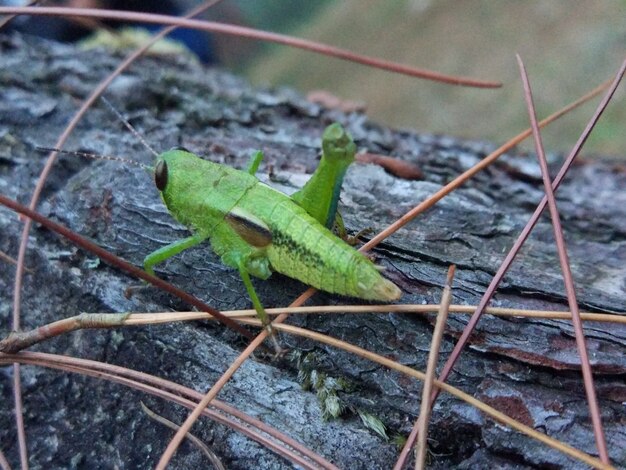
[{"x": 340, "y": 229}]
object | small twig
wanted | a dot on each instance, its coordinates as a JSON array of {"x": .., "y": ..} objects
[
  {"x": 171, "y": 317},
  {"x": 195, "y": 440},
  {"x": 16, "y": 341}
]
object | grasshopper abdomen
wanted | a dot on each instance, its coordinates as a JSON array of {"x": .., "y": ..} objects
[{"x": 304, "y": 249}]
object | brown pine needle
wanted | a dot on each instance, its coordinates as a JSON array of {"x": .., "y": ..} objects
[
  {"x": 484, "y": 163},
  {"x": 17, "y": 341},
  {"x": 222, "y": 413},
  {"x": 581, "y": 344},
  {"x": 4, "y": 463},
  {"x": 491, "y": 412},
  {"x": 195, "y": 440},
  {"x": 166, "y": 317},
  {"x": 421, "y": 426},
  {"x": 8, "y": 259},
  {"x": 251, "y": 33}
]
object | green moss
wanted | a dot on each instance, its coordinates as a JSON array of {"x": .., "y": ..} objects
[
  {"x": 131, "y": 38},
  {"x": 329, "y": 389}
]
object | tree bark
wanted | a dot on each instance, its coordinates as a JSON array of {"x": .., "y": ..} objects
[{"x": 526, "y": 368}]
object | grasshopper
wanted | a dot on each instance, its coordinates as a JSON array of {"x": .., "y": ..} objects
[{"x": 258, "y": 230}]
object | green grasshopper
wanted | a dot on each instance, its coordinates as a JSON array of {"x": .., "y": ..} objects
[{"x": 258, "y": 230}]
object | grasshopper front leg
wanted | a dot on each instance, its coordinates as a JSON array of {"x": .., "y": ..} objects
[
  {"x": 160, "y": 255},
  {"x": 245, "y": 265}
]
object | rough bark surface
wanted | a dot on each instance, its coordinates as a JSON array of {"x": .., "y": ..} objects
[{"x": 526, "y": 368}]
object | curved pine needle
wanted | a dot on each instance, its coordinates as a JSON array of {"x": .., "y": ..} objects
[
  {"x": 175, "y": 393},
  {"x": 10, "y": 260},
  {"x": 204, "y": 448},
  {"x": 17, "y": 292},
  {"x": 488, "y": 410},
  {"x": 251, "y": 33},
  {"x": 7, "y": 19}
]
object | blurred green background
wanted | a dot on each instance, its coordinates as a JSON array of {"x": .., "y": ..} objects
[{"x": 568, "y": 46}]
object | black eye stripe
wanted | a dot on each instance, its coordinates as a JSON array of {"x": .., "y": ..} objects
[
  {"x": 160, "y": 175},
  {"x": 182, "y": 149}
]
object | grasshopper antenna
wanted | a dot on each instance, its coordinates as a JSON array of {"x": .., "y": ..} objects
[
  {"x": 129, "y": 126},
  {"x": 93, "y": 156}
]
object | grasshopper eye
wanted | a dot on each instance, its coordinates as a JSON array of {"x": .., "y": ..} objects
[{"x": 160, "y": 175}]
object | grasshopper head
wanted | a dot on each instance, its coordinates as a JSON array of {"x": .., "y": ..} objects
[
  {"x": 176, "y": 178},
  {"x": 160, "y": 175},
  {"x": 338, "y": 144},
  {"x": 162, "y": 170}
]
